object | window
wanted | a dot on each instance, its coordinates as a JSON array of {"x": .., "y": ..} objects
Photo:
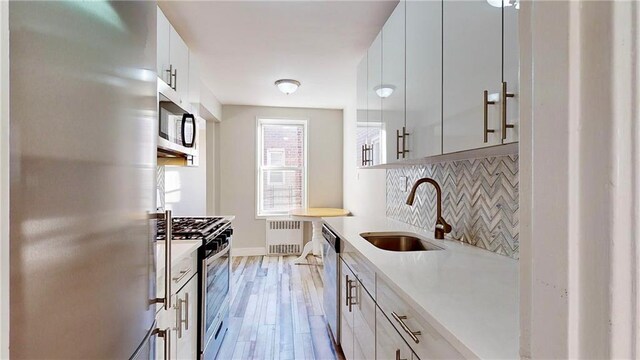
[{"x": 282, "y": 166}]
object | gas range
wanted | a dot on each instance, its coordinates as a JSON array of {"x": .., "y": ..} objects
[{"x": 205, "y": 228}]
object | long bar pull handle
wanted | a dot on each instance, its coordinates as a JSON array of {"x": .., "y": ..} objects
[
  {"x": 170, "y": 71},
  {"x": 346, "y": 290},
  {"x": 486, "y": 104},
  {"x": 167, "y": 259},
  {"x": 362, "y": 152},
  {"x": 505, "y": 95},
  {"x": 179, "y": 317},
  {"x": 186, "y": 311},
  {"x": 400, "y": 319},
  {"x": 166, "y": 301},
  {"x": 404, "y": 141},
  {"x": 398, "y": 151},
  {"x": 174, "y": 85},
  {"x": 166, "y": 337}
]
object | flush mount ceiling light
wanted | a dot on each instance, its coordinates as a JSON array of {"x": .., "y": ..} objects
[
  {"x": 287, "y": 86},
  {"x": 499, "y": 3},
  {"x": 384, "y": 91}
]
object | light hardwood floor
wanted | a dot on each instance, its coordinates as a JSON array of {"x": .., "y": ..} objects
[{"x": 276, "y": 311}]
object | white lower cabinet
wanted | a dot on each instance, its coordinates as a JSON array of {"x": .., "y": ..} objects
[
  {"x": 357, "y": 318},
  {"x": 389, "y": 343},
  {"x": 187, "y": 320}
]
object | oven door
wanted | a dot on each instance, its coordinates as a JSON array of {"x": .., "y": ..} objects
[{"x": 215, "y": 290}]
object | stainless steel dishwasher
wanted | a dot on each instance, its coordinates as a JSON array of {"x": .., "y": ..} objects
[{"x": 331, "y": 274}]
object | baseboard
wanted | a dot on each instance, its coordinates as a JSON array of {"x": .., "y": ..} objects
[{"x": 254, "y": 251}]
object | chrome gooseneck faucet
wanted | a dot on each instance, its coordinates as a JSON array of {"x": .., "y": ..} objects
[{"x": 442, "y": 227}]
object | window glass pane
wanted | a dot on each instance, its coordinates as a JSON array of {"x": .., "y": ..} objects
[
  {"x": 281, "y": 190},
  {"x": 283, "y": 145}
]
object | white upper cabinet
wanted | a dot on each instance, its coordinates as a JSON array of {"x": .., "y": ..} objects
[
  {"x": 162, "y": 49},
  {"x": 424, "y": 78},
  {"x": 362, "y": 130},
  {"x": 392, "y": 87},
  {"x": 179, "y": 58},
  {"x": 172, "y": 59},
  {"x": 374, "y": 102},
  {"x": 472, "y": 65},
  {"x": 511, "y": 72}
]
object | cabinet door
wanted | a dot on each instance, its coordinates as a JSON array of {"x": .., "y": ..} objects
[
  {"x": 364, "y": 324},
  {"x": 179, "y": 57},
  {"x": 472, "y": 35},
  {"x": 511, "y": 71},
  {"x": 389, "y": 344},
  {"x": 374, "y": 102},
  {"x": 346, "y": 312},
  {"x": 162, "y": 49},
  {"x": 392, "y": 88},
  {"x": 187, "y": 321},
  {"x": 424, "y": 78},
  {"x": 362, "y": 130},
  {"x": 167, "y": 320}
]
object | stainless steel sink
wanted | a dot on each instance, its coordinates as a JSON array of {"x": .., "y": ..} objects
[{"x": 398, "y": 242}]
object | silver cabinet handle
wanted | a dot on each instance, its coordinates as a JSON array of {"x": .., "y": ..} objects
[
  {"x": 505, "y": 95},
  {"x": 349, "y": 288},
  {"x": 398, "y": 355},
  {"x": 185, "y": 302},
  {"x": 346, "y": 290},
  {"x": 183, "y": 273},
  {"x": 178, "y": 309},
  {"x": 412, "y": 334},
  {"x": 486, "y": 104},
  {"x": 404, "y": 141},
  {"x": 167, "y": 259},
  {"x": 175, "y": 79},
  {"x": 364, "y": 158},
  {"x": 170, "y": 71},
  {"x": 398, "y": 152},
  {"x": 166, "y": 337}
]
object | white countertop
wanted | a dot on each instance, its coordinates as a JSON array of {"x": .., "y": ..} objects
[
  {"x": 179, "y": 250},
  {"x": 468, "y": 294}
]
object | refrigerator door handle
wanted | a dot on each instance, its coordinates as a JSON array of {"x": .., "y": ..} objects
[
  {"x": 167, "y": 259},
  {"x": 166, "y": 337}
]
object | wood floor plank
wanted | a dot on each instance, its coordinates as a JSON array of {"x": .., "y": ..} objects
[{"x": 276, "y": 311}]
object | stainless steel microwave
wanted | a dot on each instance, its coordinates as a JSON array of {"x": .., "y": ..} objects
[{"x": 177, "y": 130}]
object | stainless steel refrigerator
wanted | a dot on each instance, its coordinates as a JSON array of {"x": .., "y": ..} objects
[{"x": 83, "y": 107}]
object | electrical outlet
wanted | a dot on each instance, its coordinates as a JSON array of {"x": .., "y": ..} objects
[{"x": 405, "y": 183}]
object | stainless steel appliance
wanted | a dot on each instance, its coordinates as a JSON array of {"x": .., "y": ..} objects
[
  {"x": 177, "y": 130},
  {"x": 214, "y": 269},
  {"x": 331, "y": 275},
  {"x": 83, "y": 99}
]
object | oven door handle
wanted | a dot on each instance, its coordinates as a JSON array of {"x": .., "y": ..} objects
[{"x": 217, "y": 255}]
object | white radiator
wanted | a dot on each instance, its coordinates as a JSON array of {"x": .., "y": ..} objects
[{"x": 284, "y": 236}]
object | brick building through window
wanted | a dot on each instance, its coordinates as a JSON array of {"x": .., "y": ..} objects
[{"x": 281, "y": 163}]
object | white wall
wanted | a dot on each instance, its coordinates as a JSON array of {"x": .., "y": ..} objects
[
  {"x": 579, "y": 289},
  {"x": 186, "y": 187},
  {"x": 237, "y": 163},
  {"x": 213, "y": 157},
  {"x": 4, "y": 180}
]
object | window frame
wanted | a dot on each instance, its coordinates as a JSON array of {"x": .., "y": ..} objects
[{"x": 259, "y": 167}]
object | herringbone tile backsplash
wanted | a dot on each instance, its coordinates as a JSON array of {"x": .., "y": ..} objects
[{"x": 479, "y": 200}]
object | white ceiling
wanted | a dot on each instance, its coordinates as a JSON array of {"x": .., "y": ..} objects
[{"x": 245, "y": 46}]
